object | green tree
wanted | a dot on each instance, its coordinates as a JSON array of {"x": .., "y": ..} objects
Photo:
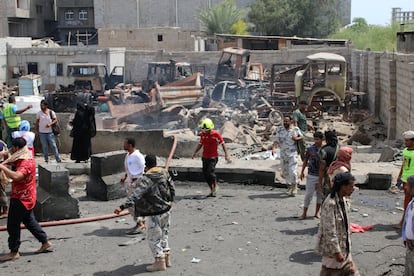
[
  {"x": 359, "y": 24},
  {"x": 221, "y": 17},
  {"x": 374, "y": 37},
  {"x": 273, "y": 17},
  {"x": 309, "y": 18}
]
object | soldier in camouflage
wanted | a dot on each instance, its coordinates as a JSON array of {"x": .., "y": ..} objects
[{"x": 153, "y": 199}]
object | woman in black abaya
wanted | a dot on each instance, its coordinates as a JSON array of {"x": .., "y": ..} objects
[{"x": 84, "y": 128}]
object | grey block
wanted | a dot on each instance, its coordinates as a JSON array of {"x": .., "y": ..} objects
[
  {"x": 51, "y": 207},
  {"x": 54, "y": 178},
  {"x": 106, "y": 188},
  {"x": 78, "y": 168},
  {"x": 108, "y": 163}
]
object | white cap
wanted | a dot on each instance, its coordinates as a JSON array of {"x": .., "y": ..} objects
[{"x": 408, "y": 134}]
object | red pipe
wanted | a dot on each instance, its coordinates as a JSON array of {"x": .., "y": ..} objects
[
  {"x": 73, "y": 221},
  {"x": 102, "y": 217}
]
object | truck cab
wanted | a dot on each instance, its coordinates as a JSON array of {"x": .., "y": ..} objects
[
  {"x": 325, "y": 75},
  {"x": 165, "y": 72},
  {"x": 94, "y": 77}
]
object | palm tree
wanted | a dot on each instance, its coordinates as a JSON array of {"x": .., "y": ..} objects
[{"x": 220, "y": 18}]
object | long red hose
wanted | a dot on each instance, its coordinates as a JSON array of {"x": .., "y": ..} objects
[{"x": 96, "y": 218}]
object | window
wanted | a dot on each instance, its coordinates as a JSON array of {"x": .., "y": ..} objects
[
  {"x": 59, "y": 69},
  {"x": 16, "y": 71},
  {"x": 83, "y": 15},
  {"x": 32, "y": 68},
  {"x": 39, "y": 9},
  {"x": 69, "y": 15},
  {"x": 55, "y": 69},
  {"x": 160, "y": 38}
]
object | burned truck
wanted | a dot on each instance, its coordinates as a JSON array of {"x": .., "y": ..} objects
[{"x": 88, "y": 82}]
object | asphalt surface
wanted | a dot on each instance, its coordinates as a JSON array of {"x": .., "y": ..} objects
[{"x": 245, "y": 230}]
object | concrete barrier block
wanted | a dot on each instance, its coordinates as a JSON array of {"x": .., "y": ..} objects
[
  {"x": 106, "y": 188},
  {"x": 78, "y": 168},
  {"x": 51, "y": 207},
  {"x": 54, "y": 178},
  {"x": 107, "y": 163}
]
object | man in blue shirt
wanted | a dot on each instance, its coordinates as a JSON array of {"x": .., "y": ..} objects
[{"x": 312, "y": 162}]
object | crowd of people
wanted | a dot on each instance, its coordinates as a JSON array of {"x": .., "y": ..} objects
[
  {"x": 150, "y": 189},
  {"x": 329, "y": 177}
]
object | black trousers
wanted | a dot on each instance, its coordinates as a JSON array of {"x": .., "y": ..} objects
[
  {"x": 18, "y": 214},
  {"x": 209, "y": 167}
]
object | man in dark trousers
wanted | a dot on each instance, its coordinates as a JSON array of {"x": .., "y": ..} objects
[
  {"x": 22, "y": 199},
  {"x": 328, "y": 154},
  {"x": 210, "y": 139}
]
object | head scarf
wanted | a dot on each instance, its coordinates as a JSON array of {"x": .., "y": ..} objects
[{"x": 343, "y": 160}]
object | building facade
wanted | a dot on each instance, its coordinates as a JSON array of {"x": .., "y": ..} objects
[
  {"x": 169, "y": 13},
  {"x": 76, "y": 22},
  {"x": 34, "y": 18},
  {"x": 402, "y": 17}
]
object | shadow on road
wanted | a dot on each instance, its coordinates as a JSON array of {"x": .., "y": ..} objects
[
  {"x": 387, "y": 228},
  {"x": 124, "y": 271},
  {"x": 300, "y": 232},
  {"x": 107, "y": 232},
  {"x": 306, "y": 257},
  {"x": 269, "y": 196},
  {"x": 190, "y": 197}
]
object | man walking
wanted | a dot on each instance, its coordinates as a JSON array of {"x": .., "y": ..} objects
[
  {"x": 334, "y": 235},
  {"x": 153, "y": 199},
  {"x": 312, "y": 162},
  {"x": 286, "y": 137},
  {"x": 210, "y": 139},
  {"x": 328, "y": 154},
  {"x": 134, "y": 169},
  {"x": 11, "y": 118},
  {"x": 408, "y": 229},
  {"x": 22, "y": 199},
  {"x": 300, "y": 120}
]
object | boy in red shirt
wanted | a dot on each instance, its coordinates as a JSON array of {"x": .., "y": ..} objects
[{"x": 210, "y": 139}]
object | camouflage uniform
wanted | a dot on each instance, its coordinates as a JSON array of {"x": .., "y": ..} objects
[
  {"x": 288, "y": 153},
  {"x": 158, "y": 228},
  {"x": 153, "y": 199}
]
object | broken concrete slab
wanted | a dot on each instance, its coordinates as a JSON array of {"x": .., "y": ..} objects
[{"x": 51, "y": 207}]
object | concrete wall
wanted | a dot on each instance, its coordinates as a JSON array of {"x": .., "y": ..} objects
[
  {"x": 152, "y": 141},
  {"x": 44, "y": 57},
  {"x": 169, "y": 13},
  {"x": 405, "y": 95},
  {"x": 390, "y": 88},
  {"x": 136, "y": 61},
  {"x": 168, "y": 39}
]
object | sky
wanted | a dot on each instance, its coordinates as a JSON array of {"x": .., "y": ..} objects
[{"x": 378, "y": 12}]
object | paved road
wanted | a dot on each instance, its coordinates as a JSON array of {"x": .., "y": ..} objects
[{"x": 246, "y": 230}]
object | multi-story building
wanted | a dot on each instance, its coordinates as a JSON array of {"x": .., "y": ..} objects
[
  {"x": 402, "y": 17},
  {"x": 34, "y": 18},
  {"x": 169, "y": 13},
  {"x": 76, "y": 22}
]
